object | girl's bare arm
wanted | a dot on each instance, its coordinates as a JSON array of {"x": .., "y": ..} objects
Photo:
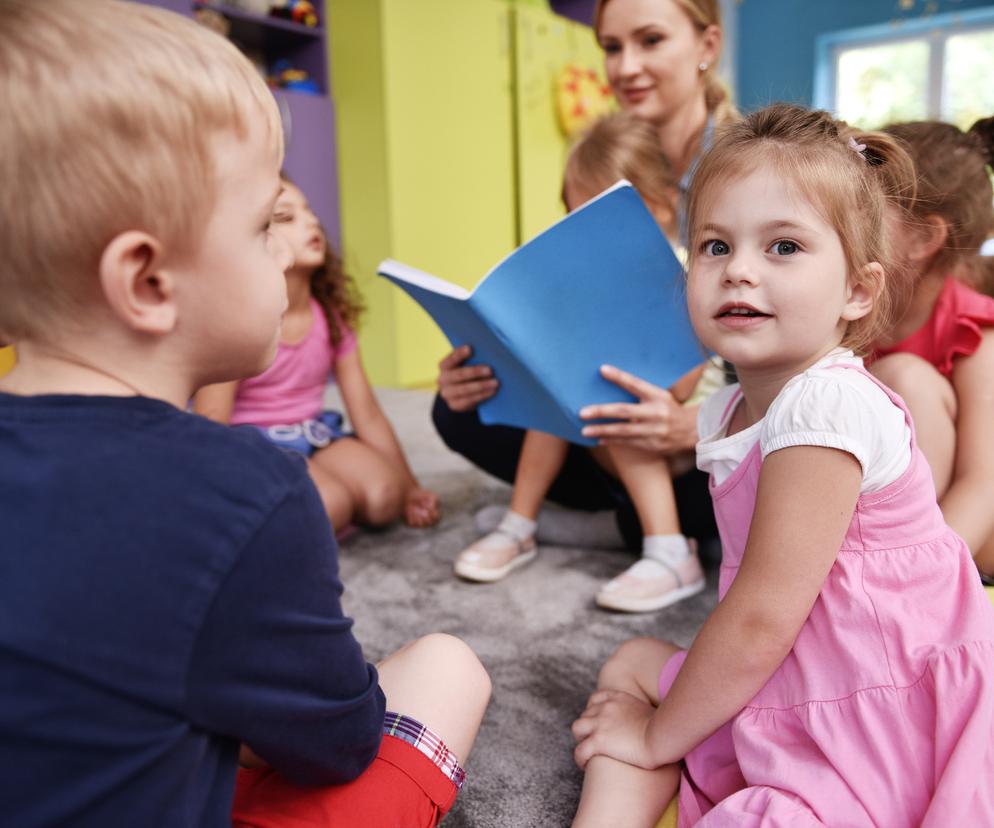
[
  {"x": 216, "y": 402},
  {"x": 804, "y": 504}
]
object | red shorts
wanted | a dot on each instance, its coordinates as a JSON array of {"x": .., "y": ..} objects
[{"x": 402, "y": 788}]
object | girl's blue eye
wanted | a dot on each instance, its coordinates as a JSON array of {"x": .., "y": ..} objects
[
  {"x": 784, "y": 247},
  {"x": 652, "y": 40},
  {"x": 716, "y": 247}
]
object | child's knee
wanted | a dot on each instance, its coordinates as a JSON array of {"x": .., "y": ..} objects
[
  {"x": 454, "y": 658},
  {"x": 383, "y": 499},
  {"x": 903, "y": 371},
  {"x": 629, "y": 662}
]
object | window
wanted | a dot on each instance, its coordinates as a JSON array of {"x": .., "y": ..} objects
[{"x": 933, "y": 67}]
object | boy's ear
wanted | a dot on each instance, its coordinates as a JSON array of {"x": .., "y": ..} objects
[
  {"x": 863, "y": 292},
  {"x": 139, "y": 293}
]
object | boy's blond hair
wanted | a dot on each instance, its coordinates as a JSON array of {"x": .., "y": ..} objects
[{"x": 111, "y": 114}]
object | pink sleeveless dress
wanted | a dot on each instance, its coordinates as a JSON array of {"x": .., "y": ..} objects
[{"x": 883, "y": 712}]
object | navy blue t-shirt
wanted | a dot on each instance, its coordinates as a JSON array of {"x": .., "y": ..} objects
[{"x": 168, "y": 589}]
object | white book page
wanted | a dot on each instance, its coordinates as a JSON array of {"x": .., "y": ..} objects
[{"x": 423, "y": 280}]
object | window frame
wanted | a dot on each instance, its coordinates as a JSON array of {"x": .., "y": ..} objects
[{"x": 935, "y": 30}]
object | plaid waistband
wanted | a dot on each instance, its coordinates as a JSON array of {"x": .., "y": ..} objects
[{"x": 419, "y": 736}]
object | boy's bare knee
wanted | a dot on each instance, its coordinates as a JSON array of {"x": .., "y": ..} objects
[{"x": 457, "y": 660}]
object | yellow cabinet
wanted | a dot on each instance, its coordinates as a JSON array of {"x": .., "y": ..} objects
[
  {"x": 449, "y": 153},
  {"x": 6, "y": 360}
]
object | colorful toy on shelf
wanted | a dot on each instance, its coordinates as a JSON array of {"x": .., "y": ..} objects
[
  {"x": 285, "y": 76},
  {"x": 581, "y": 98},
  {"x": 299, "y": 11}
]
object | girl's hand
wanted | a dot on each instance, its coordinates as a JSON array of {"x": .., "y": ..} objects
[
  {"x": 421, "y": 508},
  {"x": 464, "y": 387},
  {"x": 615, "y": 724},
  {"x": 657, "y": 423}
]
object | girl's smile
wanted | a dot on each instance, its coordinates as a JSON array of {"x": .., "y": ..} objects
[{"x": 740, "y": 315}]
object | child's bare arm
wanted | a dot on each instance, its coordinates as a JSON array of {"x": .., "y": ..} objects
[
  {"x": 372, "y": 427},
  {"x": 216, "y": 402},
  {"x": 967, "y": 502},
  {"x": 804, "y": 504}
]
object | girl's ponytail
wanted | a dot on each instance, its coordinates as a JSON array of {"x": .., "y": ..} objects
[{"x": 982, "y": 133}]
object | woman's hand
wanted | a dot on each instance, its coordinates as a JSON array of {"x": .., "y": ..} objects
[
  {"x": 421, "y": 508},
  {"x": 463, "y": 387},
  {"x": 657, "y": 423},
  {"x": 615, "y": 724}
]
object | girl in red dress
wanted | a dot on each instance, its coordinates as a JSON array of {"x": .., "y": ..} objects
[{"x": 940, "y": 355}]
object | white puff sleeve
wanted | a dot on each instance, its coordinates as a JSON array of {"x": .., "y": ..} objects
[{"x": 845, "y": 410}]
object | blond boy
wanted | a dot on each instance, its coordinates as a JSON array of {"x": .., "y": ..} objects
[{"x": 169, "y": 587}]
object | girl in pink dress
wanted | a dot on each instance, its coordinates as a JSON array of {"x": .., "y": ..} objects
[
  {"x": 939, "y": 355},
  {"x": 361, "y": 476},
  {"x": 846, "y": 676}
]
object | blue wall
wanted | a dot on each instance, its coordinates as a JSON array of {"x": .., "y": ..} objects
[{"x": 776, "y": 40}]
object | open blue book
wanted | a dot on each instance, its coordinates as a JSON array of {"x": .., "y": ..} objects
[{"x": 600, "y": 286}]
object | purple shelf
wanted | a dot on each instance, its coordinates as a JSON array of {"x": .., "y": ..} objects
[{"x": 276, "y": 23}]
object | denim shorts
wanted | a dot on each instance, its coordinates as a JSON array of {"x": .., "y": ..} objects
[{"x": 307, "y": 436}]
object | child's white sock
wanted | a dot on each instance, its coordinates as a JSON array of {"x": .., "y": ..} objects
[
  {"x": 667, "y": 549},
  {"x": 558, "y": 526},
  {"x": 517, "y": 526}
]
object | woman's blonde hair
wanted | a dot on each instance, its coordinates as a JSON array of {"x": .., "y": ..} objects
[
  {"x": 702, "y": 13},
  {"x": 111, "y": 115},
  {"x": 847, "y": 175},
  {"x": 621, "y": 145}
]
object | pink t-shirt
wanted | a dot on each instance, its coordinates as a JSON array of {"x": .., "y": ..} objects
[{"x": 291, "y": 389}]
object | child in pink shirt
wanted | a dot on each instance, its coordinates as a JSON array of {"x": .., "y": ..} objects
[{"x": 361, "y": 476}]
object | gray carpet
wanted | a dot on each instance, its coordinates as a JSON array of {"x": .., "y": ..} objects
[{"x": 538, "y": 632}]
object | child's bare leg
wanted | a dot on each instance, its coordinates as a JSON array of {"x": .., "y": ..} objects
[
  {"x": 377, "y": 489},
  {"x": 647, "y": 481},
  {"x": 512, "y": 543},
  {"x": 439, "y": 681},
  {"x": 669, "y": 569},
  {"x": 542, "y": 457},
  {"x": 337, "y": 499},
  {"x": 932, "y": 402},
  {"x": 614, "y": 793}
]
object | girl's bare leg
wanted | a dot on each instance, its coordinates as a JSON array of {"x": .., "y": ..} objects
[
  {"x": 932, "y": 402},
  {"x": 336, "y": 497},
  {"x": 376, "y": 487},
  {"x": 614, "y": 793},
  {"x": 542, "y": 457},
  {"x": 648, "y": 482},
  {"x": 439, "y": 681}
]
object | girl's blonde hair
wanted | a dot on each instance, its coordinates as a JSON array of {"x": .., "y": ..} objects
[
  {"x": 953, "y": 183},
  {"x": 702, "y": 13},
  {"x": 847, "y": 175},
  {"x": 112, "y": 111},
  {"x": 621, "y": 145}
]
